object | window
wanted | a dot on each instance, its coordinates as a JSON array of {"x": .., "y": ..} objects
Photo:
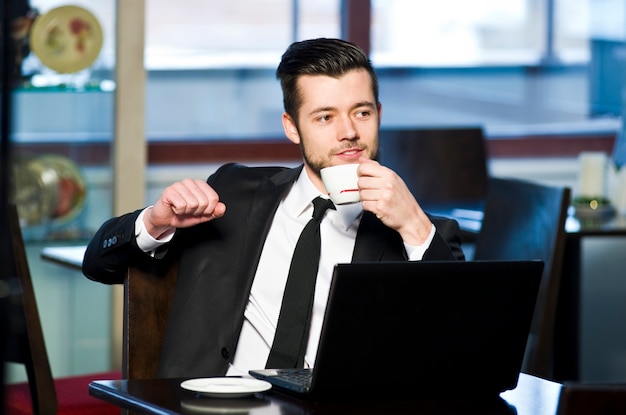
[
  {"x": 481, "y": 32},
  {"x": 502, "y": 64},
  {"x": 195, "y": 34},
  {"x": 236, "y": 33}
]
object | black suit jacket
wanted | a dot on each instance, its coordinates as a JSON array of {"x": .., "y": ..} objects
[{"x": 218, "y": 261}]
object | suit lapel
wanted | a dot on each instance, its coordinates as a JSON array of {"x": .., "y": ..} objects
[
  {"x": 262, "y": 209},
  {"x": 376, "y": 242},
  {"x": 369, "y": 244}
]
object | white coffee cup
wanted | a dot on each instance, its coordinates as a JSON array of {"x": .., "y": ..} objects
[{"x": 341, "y": 183}]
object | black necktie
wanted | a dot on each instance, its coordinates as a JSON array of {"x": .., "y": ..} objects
[{"x": 292, "y": 331}]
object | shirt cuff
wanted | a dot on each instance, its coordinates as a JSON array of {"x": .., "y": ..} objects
[
  {"x": 416, "y": 252},
  {"x": 145, "y": 241}
]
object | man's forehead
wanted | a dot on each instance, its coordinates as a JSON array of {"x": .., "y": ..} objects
[{"x": 318, "y": 87}]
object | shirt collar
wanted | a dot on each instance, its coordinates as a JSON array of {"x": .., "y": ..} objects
[{"x": 298, "y": 201}]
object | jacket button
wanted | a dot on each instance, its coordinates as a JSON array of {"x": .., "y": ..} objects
[{"x": 225, "y": 353}]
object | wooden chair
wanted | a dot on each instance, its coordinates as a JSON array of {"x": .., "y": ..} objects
[
  {"x": 147, "y": 300},
  {"x": 42, "y": 394},
  {"x": 525, "y": 220},
  {"x": 596, "y": 398},
  {"x": 443, "y": 167}
]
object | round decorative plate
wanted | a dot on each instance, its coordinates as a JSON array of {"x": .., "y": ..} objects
[
  {"x": 66, "y": 39},
  {"x": 48, "y": 188}
]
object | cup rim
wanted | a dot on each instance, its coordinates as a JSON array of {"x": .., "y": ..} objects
[{"x": 340, "y": 165}]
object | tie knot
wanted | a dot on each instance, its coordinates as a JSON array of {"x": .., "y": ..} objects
[{"x": 320, "y": 205}]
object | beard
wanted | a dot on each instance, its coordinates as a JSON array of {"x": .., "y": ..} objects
[{"x": 317, "y": 163}]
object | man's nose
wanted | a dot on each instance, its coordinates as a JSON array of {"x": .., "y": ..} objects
[{"x": 347, "y": 130}]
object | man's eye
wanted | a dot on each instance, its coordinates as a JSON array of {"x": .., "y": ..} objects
[{"x": 324, "y": 118}]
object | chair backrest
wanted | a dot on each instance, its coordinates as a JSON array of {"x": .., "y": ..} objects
[
  {"x": 27, "y": 345},
  {"x": 147, "y": 300},
  {"x": 593, "y": 398},
  {"x": 526, "y": 220},
  {"x": 441, "y": 166}
]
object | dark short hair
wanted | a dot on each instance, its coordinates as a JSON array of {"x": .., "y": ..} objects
[{"x": 329, "y": 57}]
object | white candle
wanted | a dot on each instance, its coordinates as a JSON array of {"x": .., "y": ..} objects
[{"x": 592, "y": 175}]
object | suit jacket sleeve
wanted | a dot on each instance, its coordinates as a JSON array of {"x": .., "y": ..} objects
[
  {"x": 114, "y": 248},
  {"x": 446, "y": 245}
]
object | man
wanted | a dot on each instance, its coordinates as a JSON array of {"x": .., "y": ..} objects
[{"x": 234, "y": 234}]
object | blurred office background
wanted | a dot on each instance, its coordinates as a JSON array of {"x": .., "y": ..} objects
[{"x": 552, "y": 70}]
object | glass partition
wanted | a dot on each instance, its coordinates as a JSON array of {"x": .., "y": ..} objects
[{"x": 62, "y": 125}]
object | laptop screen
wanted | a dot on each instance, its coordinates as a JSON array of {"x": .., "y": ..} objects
[{"x": 402, "y": 327}]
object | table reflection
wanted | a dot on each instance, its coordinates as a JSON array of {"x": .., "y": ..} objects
[{"x": 157, "y": 396}]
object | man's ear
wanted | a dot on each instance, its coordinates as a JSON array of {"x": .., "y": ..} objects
[{"x": 291, "y": 131}]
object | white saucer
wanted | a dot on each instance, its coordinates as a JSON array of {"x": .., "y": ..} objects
[{"x": 226, "y": 387}]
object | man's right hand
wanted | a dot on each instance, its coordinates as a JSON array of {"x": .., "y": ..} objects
[{"x": 181, "y": 205}]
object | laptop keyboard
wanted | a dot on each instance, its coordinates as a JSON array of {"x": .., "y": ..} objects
[{"x": 300, "y": 377}]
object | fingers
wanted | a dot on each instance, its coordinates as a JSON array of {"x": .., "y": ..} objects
[
  {"x": 376, "y": 183},
  {"x": 184, "y": 204},
  {"x": 385, "y": 194},
  {"x": 193, "y": 198}
]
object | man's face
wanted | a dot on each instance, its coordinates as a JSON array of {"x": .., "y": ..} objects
[{"x": 338, "y": 121}]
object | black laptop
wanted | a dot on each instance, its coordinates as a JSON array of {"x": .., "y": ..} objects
[{"x": 425, "y": 328}]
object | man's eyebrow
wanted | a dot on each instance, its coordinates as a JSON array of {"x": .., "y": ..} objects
[
  {"x": 329, "y": 108},
  {"x": 364, "y": 104},
  {"x": 321, "y": 109}
]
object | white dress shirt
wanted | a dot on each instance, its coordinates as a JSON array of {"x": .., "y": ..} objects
[{"x": 338, "y": 234}]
